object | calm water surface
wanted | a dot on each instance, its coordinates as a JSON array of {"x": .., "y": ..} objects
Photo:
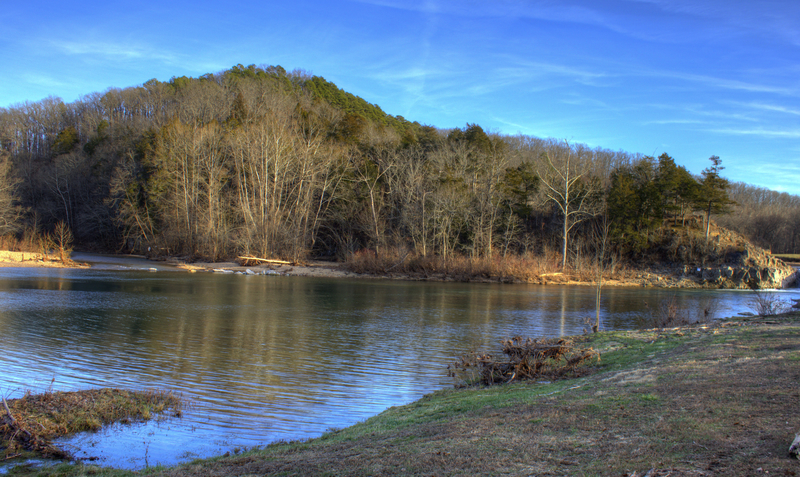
[{"x": 265, "y": 358}]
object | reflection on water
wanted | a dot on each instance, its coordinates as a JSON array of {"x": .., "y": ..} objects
[{"x": 267, "y": 358}]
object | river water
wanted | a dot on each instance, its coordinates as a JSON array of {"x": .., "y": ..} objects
[{"x": 265, "y": 358}]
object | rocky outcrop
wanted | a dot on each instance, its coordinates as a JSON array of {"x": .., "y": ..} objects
[
  {"x": 749, "y": 267},
  {"x": 744, "y": 277}
]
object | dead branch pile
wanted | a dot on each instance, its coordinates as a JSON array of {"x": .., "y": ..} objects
[
  {"x": 540, "y": 358},
  {"x": 20, "y": 435},
  {"x": 31, "y": 422}
]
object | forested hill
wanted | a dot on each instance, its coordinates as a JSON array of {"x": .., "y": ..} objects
[{"x": 261, "y": 161}]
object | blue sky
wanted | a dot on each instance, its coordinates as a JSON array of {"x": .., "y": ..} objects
[{"x": 692, "y": 78}]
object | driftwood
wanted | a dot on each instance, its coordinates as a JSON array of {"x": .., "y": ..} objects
[
  {"x": 12, "y": 423},
  {"x": 8, "y": 411},
  {"x": 247, "y": 260}
]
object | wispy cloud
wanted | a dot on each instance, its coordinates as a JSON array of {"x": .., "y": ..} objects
[
  {"x": 110, "y": 50},
  {"x": 696, "y": 114},
  {"x": 774, "y": 19},
  {"x": 770, "y": 173},
  {"x": 655, "y": 21},
  {"x": 767, "y": 107},
  {"x": 663, "y": 122},
  {"x": 544, "y": 10},
  {"x": 791, "y": 134},
  {"x": 45, "y": 81},
  {"x": 525, "y": 70},
  {"x": 724, "y": 83}
]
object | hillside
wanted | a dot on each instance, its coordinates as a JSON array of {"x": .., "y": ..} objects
[{"x": 262, "y": 162}]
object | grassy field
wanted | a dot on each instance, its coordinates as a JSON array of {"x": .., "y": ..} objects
[{"x": 714, "y": 400}]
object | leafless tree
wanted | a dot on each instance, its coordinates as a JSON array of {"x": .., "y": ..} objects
[
  {"x": 568, "y": 187},
  {"x": 10, "y": 212}
]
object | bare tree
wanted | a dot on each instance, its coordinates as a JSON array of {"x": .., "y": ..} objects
[
  {"x": 10, "y": 213},
  {"x": 62, "y": 240},
  {"x": 567, "y": 186},
  {"x": 600, "y": 231}
]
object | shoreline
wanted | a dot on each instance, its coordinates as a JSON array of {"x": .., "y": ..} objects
[
  {"x": 656, "y": 277},
  {"x": 321, "y": 269},
  {"x": 711, "y": 399}
]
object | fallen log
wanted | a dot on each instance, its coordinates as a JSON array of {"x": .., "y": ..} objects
[{"x": 264, "y": 260}]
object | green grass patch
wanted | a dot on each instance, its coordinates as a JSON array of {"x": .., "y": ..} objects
[{"x": 649, "y": 398}]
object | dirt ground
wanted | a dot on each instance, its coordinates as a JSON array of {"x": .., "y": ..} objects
[{"x": 713, "y": 401}]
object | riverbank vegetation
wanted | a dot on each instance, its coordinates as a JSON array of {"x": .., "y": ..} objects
[
  {"x": 29, "y": 424},
  {"x": 258, "y": 161}
]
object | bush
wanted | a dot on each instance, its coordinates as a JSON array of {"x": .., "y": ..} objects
[
  {"x": 668, "y": 314},
  {"x": 768, "y": 304},
  {"x": 526, "y": 360}
]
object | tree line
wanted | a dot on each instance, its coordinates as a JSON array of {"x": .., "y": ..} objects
[{"x": 261, "y": 161}]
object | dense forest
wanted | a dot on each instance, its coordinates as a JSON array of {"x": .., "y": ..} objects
[{"x": 261, "y": 161}]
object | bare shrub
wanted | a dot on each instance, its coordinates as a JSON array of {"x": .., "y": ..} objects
[
  {"x": 62, "y": 239},
  {"x": 709, "y": 308},
  {"x": 767, "y": 304},
  {"x": 526, "y": 359},
  {"x": 668, "y": 313}
]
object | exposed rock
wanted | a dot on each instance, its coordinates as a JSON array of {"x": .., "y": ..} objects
[
  {"x": 732, "y": 262},
  {"x": 744, "y": 277}
]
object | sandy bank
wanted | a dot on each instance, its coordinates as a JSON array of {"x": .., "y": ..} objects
[{"x": 34, "y": 259}]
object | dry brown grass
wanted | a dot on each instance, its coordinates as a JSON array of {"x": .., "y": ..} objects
[
  {"x": 511, "y": 268},
  {"x": 29, "y": 242},
  {"x": 36, "y": 247}
]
